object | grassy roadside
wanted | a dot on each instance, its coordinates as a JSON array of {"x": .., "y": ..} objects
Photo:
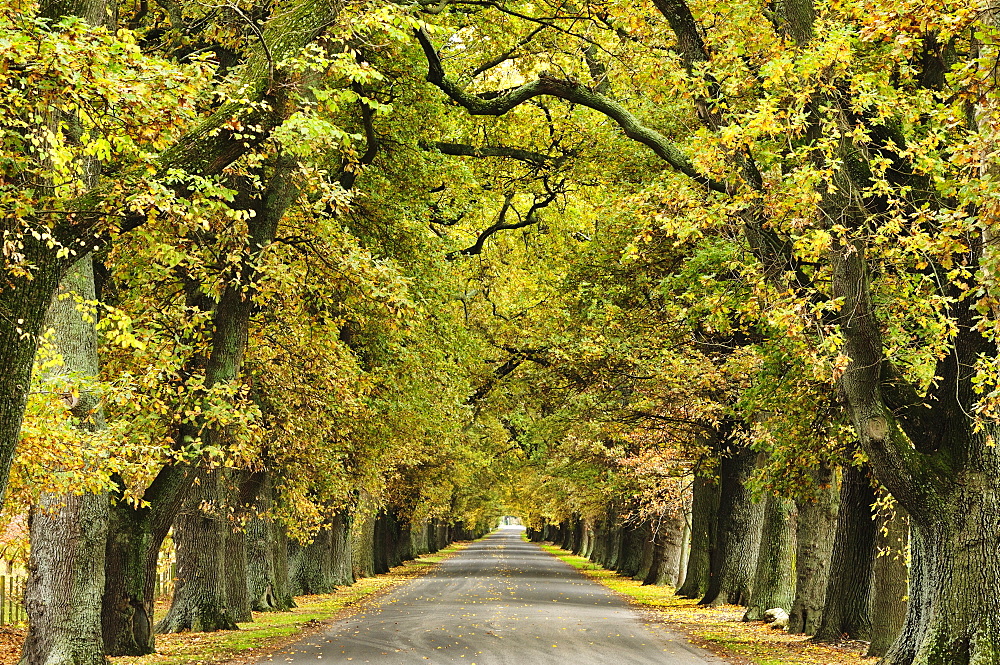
[
  {"x": 270, "y": 631},
  {"x": 717, "y": 629}
]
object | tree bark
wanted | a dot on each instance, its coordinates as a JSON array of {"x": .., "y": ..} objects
[
  {"x": 201, "y": 531},
  {"x": 442, "y": 535},
  {"x": 614, "y": 551},
  {"x": 918, "y": 606},
  {"x": 656, "y": 560},
  {"x": 674, "y": 536},
  {"x": 667, "y": 548},
  {"x": 63, "y": 593},
  {"x": 890, "y": 577},
  {"x": 633, "y": 540},
  {"x": 738, "y": 530},
  {"x": 340, "y": 538},
  {"x": 363, "y": 539},
  {"x": 847, "y": 609},
  {"x": 646, "y": 562},
  {"x": 704, "y": 530},
  {"x": 237, "y": 574},
  {"x": 404, "y": 542},
  {"x": 381, "y": 543},
  {"x": 774, "y": 579},
  {"x": 815, "y": 529},
  {"x": 310, "y": 566},
  {"x": 578, "y": 536},
  {"x": 588, "y": 539},
  {"x": 134, "y": 538},
  {"x": 432, "y": 539},
  {"x": 600, "y": 541},
  {"x": 267, "y": 557},
  {"x": 421, "y": 538}
]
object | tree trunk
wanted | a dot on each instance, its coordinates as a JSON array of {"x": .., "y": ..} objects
[
  {"x": 954, "y": 618},
  {"x": 815, "y": 529},
  {"x": 774, "y": 579},
  {"x": 442, "y": 535},
  {"x": 130, "y": 574},
  {"x": 62, "y": 596},
  {"x": 340, "y": 538},
  {"x": 363, "y": 540},
  {"x": 267, "y": 566},
  {"x": 404, "y": 543},
  {"x": 889, "y": 585},
  {"x": 672, "y": 533},
  {"x": 667, "y": 550},
  {"x": 633, "y": 539},
  {"x": 202, "y": 604},
  {"x": 134, "y": 539},
  {"x": 656, "y": 561},
  {"x": 577, "y": 540},
  {"x": 704, "y": 522},
  {"x": 685, "y": 549},
  {"x": 847, "y": 609},
  {"x": 565, "y": 535},
  {"x": 24, "y": 302},
  {"x": 380, "y": 544},
  {"x": 738, "y": 530},
  {"x": 588, "y": 539},
  {"x": 391, "y": 542},
  {"x": 432, "y": 536},
  {"x": 310, "y": 566},
  {"x": 918, "y": 606},
  {"x": 614, "y": 551},
  {"x": 267, "y": 557},
  {"x": 201, "y": 530},
  {"x": 63, "y": 592},
  {"x": 646, "y": 560},
  {"x": 600, "y": 542},
  {"x": 237, "y": 573}
]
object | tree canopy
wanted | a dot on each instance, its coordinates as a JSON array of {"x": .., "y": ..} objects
[{"x": 447, "y": 261}]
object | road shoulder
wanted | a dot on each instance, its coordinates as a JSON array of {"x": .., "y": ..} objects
[
  {"x": 273, "y": 631},
  {"x": 713, "y": 632}
]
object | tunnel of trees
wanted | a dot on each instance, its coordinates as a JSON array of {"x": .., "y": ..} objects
[{"x": 305, "y": 288}]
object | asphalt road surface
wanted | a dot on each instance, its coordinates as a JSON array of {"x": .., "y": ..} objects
[{"x": 501, "y": 601}]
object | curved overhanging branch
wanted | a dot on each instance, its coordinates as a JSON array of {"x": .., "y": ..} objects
[{"x": 500, "y": 102}]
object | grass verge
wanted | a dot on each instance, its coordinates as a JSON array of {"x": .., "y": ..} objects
[
  {"x": 270, "y": 631},
  {"x": 718, "y": 629}
]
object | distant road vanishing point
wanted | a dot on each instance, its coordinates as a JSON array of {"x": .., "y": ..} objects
[{"x": 502, "y": 601}]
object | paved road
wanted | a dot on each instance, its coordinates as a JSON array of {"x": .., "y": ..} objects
[{"x": 502, "y": 601}]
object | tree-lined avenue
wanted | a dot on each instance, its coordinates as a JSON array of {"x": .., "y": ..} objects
[{"x": 499, "y": 602}]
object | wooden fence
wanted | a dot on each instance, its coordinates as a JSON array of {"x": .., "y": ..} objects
[
  {"x": 12, "y": 593},
  {"x": 12, "y": 599}
]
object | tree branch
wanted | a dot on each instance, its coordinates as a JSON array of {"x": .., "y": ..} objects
[
  {"x": 372, "y": 146},
  {"x": 501, "y": 225},
  {"x": 465, "y": 150},
  {"x": 500, "y": 102},
  {"x": 507, "y": 55}
]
